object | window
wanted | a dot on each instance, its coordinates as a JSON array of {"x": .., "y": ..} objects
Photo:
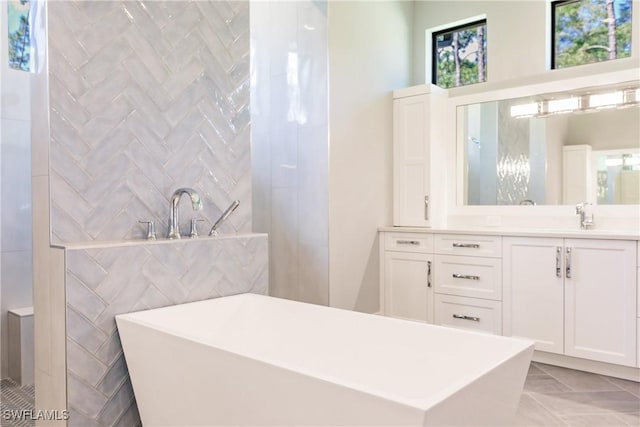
[
  {"x": 19, "y": 35},
  {"x": 588, "y": 31},
  {"x": 460, "y": 55}
]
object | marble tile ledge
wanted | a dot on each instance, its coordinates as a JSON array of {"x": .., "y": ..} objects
[
  {"x": 160, "y": 241},
  {"x": 523, "y": 232}
]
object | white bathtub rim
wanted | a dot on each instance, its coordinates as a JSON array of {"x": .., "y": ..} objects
[{"x": 419, "y": 403}]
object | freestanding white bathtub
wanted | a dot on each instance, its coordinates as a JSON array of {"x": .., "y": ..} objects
[{"x": 260, "y": 361}]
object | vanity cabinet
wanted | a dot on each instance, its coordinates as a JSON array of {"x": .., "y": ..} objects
[
  {"x": 468, "y": 282},
  {"x": 411, "y": 156},
  {"x": 534, "y": 291},
  {"x": 575, "y": 297},
  {"x": 407, "y": 289}
]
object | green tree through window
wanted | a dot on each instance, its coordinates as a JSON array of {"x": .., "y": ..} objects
[
  {"x": 460, "y": 55},
  {"x": 588, "y": 31},
  {"x": 19, "y": 35}
]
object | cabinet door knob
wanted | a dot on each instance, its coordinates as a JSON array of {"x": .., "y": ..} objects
[
  {"x": 558, "y": 261},
  {"x": 428, "y": 274},
  {"x": 568, "y": 264}
]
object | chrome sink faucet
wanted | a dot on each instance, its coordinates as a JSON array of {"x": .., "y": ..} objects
[
  {"x": 585, "y": 221},
  {"x": 174, "y": 223}
]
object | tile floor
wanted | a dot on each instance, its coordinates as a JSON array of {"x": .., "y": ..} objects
[
  {"x": 15, "y": 398},
  {"x": 552, "y": 396},
  {"x": 555, "y": 396}
]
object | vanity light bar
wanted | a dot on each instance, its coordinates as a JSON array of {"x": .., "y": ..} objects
[
  {"x": 631, "y": 97},
  {"x": 525, "y": 110},
  {"x": 596, "y": 101},
  {"x": 606, "y": 100},
  {"x": 565, "y": 105}
]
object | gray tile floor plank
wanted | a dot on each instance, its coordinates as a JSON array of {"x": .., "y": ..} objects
[
  {"x": 586, "y": 403},
  {"x": 531, "y": 413},
  {"x": 552, "y": 396},
  {"x": 578, "y": 380},
  {"x": 593, "y": 420},
  {"x": 544, "y": 384},
  {"x": 630, "y": 419}
]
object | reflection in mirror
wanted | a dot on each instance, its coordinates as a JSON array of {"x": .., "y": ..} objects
[
  {"x": 517, "y": 157},
  {"x": 617, "y": 177}
]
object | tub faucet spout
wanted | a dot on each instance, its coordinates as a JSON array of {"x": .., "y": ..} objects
[{"x": 174, "y": 223}]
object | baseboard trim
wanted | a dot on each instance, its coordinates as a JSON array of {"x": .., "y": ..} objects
[{"x": 618, "y": 371}]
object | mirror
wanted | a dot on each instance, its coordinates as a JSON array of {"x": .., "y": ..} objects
[{"x": 552, "y": 149}]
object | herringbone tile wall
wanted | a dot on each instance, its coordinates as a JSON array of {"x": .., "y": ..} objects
[
  {"x": 146, "y": 97},
  {"x": 104, "y": 282}
]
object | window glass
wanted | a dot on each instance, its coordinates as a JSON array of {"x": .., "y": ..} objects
[
  {"x": 588, "y": 31},
  {"x": 460, "y": 55},
  {"x": 19, "y": 35}
]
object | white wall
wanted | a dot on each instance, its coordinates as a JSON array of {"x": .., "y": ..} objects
[
  {"x": 15, "y": 193},
  {"x": 369, "y": 56},
  {"x": 606, "y": 129},
  {"x": 517, "y": 37}
]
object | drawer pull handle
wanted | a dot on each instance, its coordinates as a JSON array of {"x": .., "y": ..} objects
[
  {"x": 568, "y": 264},
  {"x": 466, "y": 245},
  {"x": 465, "y": 276},
  {"x": 428, "y": 274},
  {"x": 408, "y": 242},
  {"x": 426, "y": 208},
  {"x": 558, "y": 266},
  {"x": 463, "y": 317}
]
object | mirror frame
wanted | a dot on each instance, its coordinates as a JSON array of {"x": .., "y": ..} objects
[{"x": 528, "y": 88}]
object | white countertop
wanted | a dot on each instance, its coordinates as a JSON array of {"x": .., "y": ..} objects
[{"x": 524, "y": 232}]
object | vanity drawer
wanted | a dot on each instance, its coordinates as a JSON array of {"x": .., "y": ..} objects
[
  {"x": 469, "y": 313},
  {"x": 466, "y": 244},
  {"x": 408, "y": 242},
  {"x": 466, "y": 276}
]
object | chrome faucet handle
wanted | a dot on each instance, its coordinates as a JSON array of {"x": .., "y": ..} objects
[
  {"x": 151, "y": 229},
  {"x": 587, "y": 221},
  {"x": 194, "y": 227}
]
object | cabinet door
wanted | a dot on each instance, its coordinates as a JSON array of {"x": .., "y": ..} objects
[
  {"x": 407, "y": 284},
  {"x": 600, "y": 303},
  {"x": 411, "y": 161},
  {"x": 533, "y": 294}
]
